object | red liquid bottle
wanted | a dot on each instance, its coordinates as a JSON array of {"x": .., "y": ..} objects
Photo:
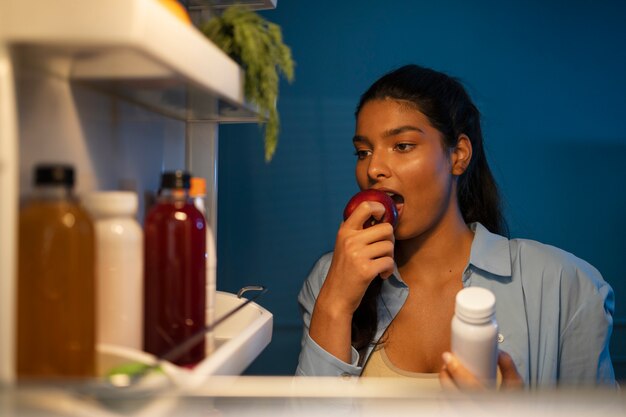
[{"x": 175, "y": 272}]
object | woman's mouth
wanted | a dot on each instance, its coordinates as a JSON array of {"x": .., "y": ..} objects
[{"x": 398, "y": 200}]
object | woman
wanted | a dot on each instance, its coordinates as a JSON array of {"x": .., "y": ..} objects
[{"x": 382, "y": 303}]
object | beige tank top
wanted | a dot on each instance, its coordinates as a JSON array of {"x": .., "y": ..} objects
[{"x": 379, "y": 365}]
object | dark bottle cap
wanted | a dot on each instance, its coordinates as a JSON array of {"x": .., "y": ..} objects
[
  {"x": 54, "y": 174},
  {"x": 176, "y": 179}
]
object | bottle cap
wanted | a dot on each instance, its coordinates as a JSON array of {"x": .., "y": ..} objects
[
  {"x": 175, "y": 179},
  {"x": 110, "y": 203},
  {"x": 198, "y": 187},
  {"x": 475, "y": 304},
  {"x": 54, "y": 174}
]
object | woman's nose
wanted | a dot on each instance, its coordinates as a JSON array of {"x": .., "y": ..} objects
[{"x": 378, "y": 167}]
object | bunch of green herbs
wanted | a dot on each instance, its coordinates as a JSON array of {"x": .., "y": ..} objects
[{"x": 257, "y": 45}]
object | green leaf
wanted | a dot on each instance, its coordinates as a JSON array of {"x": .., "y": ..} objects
[
  {"x": 131, "y": 369},
  {"x": 257, "y": 45}
]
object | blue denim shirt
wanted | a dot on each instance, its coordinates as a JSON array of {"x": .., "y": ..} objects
[{"x": 553, "y": 309}]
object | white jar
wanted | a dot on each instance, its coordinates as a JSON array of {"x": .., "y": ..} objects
[
  {"x": 475, "y": 332},
  {"x": 119, "y": 267}
]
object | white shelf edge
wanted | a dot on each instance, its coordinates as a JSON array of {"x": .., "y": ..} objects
[
  {"x": 246, "y": 334},
  {"x": 8, "y": 215},
  {"x": 259, "y": 330}
]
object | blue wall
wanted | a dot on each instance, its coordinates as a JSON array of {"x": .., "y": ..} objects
[{"x": 549, "y": 78}]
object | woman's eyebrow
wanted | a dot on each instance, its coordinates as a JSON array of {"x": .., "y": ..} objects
[
  {"x": 401, "y": 129},
  {"x": 389, "y": 133}
]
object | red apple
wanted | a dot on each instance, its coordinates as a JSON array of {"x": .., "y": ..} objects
[{"x": 391, "y": 213}]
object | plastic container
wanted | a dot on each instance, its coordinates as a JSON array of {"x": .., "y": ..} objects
[
  {"x": 198, "y": 193},
  {"x": 119, "y": 267},
  {"x": 175, "y": 271},
  {"x": 474, "y": 332},
  {"x": 56, "y": 316}
]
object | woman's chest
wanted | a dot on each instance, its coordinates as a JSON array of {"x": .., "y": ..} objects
[{"x": 420, "y": 332}]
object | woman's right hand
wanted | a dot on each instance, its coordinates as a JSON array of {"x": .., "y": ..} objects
[{"x": 360, "y": 256}]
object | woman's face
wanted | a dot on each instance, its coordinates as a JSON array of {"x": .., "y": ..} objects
[{"x": 400, "y": 152}]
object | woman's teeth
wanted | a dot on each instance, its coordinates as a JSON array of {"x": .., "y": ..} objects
[{"x": 397, "y": 198}]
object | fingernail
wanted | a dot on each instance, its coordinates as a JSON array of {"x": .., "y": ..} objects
[{"x": 447, "y": 357}]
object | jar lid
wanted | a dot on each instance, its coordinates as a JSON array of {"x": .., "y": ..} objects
[
  {"x": 110, "y": 203},
  {"x": 475, "y": 304},
  {"x": 176, "y": 179},
  {"x": 54, "y": 174},
  {"x": 198, "y": 187}
]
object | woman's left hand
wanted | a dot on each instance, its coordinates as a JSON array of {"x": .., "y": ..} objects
[{"x": 454, "y": 375}]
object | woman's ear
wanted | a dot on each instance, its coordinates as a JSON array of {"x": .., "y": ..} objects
[{"x": 461, "y": 155}]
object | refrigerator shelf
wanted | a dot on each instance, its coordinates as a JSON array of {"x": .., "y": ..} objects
[
  {"x": 133, "y": 49},
  {"x": 238, "y": 341}
]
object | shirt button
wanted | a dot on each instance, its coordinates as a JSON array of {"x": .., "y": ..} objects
[{"x": 500, "y": 338}]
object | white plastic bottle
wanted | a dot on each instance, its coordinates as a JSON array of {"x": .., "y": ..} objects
[
  {"x": 475, "y": 332},
  {"x": 119, "y": 267},
  {"x": 198, "y": 193}
]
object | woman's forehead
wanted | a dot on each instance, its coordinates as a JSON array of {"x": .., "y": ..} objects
[{"x": 391, "y": 112}]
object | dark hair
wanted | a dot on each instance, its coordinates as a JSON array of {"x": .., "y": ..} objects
[{"x": 448, "y": 107}]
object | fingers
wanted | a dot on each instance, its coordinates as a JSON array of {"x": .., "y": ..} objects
[
  {"x": 364, "y": 211},
  {"x": 378, "y": 249},
  {"x": 383, "y": 266},
  {"x": 360, "y": 255},
  {"x": 369, "y": 268},
  {"x": 382, "y": 232},
  {"x": 367, "y": 253},
  {"x": 454, "y": 375},
  {"x": 374, "y": 258},
  {"x": 458, "y": 374},
  {"x": 511, "y": 379},
  {"x": 446, "y": 381}
]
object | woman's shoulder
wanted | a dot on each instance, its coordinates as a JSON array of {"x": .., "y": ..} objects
[
  {"x": 532, "y": 252},
  {"x": 316, "y": 276},
  {"x": 321, "y": 267},
  {"x": 537, "y": 259}
]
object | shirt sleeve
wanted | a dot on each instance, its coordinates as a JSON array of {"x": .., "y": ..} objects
[
  {"x": 314, "y": 360},
  {"x": 588, "y": 305}
]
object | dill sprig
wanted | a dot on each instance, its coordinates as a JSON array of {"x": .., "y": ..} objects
[{"x": 257, "y": 45}]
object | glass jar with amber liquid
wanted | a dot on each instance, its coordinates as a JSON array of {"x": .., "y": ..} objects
[{"x": 56, "y": 281}]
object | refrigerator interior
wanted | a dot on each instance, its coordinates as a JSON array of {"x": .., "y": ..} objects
[{"x": 122, "y": 90}]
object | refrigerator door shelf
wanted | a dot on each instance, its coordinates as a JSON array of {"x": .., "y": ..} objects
[{"x": 239, "y": 340}]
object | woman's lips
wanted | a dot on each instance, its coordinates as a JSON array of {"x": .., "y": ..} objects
[
  {"x": 399, "y": 202},
  {"x": 399, "y": 207}
]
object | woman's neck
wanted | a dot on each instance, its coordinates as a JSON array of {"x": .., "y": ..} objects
[{"x": 438, "y": 255}]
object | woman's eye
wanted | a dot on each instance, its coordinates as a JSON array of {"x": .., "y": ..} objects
[
  {"x": 404, "y": 147},
  {"x": 362, "y": 153}
]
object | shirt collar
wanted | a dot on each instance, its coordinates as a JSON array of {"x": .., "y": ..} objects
[
  {"x": 490, "y": 252},
  {"x": 395, "y": 279}
]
